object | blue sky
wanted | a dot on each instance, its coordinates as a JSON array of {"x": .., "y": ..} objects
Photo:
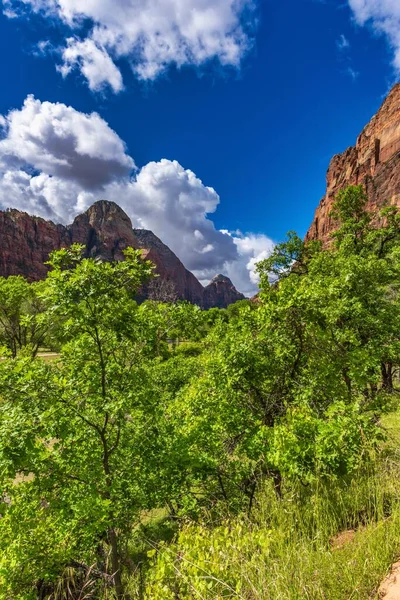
[{"x": 254, "y": 110}]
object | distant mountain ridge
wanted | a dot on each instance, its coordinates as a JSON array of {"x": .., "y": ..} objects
[{"x": 105, "y": 230}]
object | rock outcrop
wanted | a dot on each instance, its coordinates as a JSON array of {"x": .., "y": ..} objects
[
  {"x": 373, "y": 162},
  {"x": 105, "y": 230},
  {"x": 220, "y": 292}
]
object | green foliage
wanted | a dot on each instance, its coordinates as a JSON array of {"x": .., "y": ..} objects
[
  {"x": 293, "y": 387},
  {"x": 189, "y": 349},
  {"x": 240, "y": 560},
  {"x": 24, "y": 324},
  {"x": 234, "y": 310},
  {"x": 287, "y": 258},
  {"x": 307, "y": 446},
  {"x": 352, "y": 219}
]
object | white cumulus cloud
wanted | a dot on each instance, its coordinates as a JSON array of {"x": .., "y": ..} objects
[
  {"x": 252, "y": 248},
  {"x": 151, "y": 34},
  {"x": 60, "y": 141},
  {"x": 55, "y": 162},
  {"x": 94, "y": 62},
  {"x": 384, "y": 17}
]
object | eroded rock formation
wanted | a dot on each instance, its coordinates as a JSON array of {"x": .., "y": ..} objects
[
  {"x": 106, "y": 230},
  {"x": 373, "y": 162}
]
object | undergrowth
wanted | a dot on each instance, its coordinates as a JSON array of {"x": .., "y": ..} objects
[{"x": 330, "y": 541}]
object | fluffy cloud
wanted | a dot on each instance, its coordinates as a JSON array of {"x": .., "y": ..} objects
[
  {"x": 151, "y": 34},
  {"x": 251, "y": 249},
  {"x": 56, "y": 161},
  {"x": 60, "y": 141},
  {"x": 94, "y": 62},
  {"x": 174, "y": 203},
  {"x": 384, "y": 17}
]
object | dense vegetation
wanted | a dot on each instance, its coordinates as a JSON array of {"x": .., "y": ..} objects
[{"x": 173, "y": 453}]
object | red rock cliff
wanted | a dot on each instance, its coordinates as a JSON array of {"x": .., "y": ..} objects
[
  {"x": 373, "y": 162},
  {"x": 25, "y": 243}
]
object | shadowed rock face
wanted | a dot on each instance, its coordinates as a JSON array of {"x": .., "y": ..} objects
[
  {"x": 106, "y": 230},
  {"x": 220, "y": 292},
  {"x": 169, "y": 267},
  {"x": 373, "y": 162}
]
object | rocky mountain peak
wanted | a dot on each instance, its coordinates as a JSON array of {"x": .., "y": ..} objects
[
  {"x": 221, "y": 279},
  {"x": 220, "y": 292},
  {"x": 103, "y": 211},
  {"x": 105, "y": 229},
  {"x": 169, "y": 267}
]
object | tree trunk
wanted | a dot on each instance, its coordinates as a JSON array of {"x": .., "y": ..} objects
[
  {"x": 347, "y": 380},
  {"x": 387, "y": 377},
  {"x": 112, "y": 536},
  {"x": 277, "y": 479},
  {"x": 251, "y": 498},
  {"x": 115, "y": 564}
]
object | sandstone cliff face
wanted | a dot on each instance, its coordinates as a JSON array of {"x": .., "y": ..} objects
[
  {"x": 220, "y": 292},
  {"x": 373, "y": 162},
  {"x": 25, "y": 243},
  {"x": 106, "y": 230}
]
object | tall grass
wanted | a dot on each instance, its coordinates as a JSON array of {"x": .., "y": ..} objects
[{"x": 334, "y": 540}]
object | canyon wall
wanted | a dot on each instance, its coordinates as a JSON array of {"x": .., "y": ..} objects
[{"x": 373, "y": 162}]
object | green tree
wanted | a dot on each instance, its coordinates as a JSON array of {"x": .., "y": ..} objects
[
  {"x": 317, "y": 353},
  {"x": 88, "y": 431},
  {"x": 23, "y": 322}
]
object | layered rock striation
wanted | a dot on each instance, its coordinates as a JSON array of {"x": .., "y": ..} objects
[
  {"x": 105, "y": 230},
  {"x": 373, "y": 162}
]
